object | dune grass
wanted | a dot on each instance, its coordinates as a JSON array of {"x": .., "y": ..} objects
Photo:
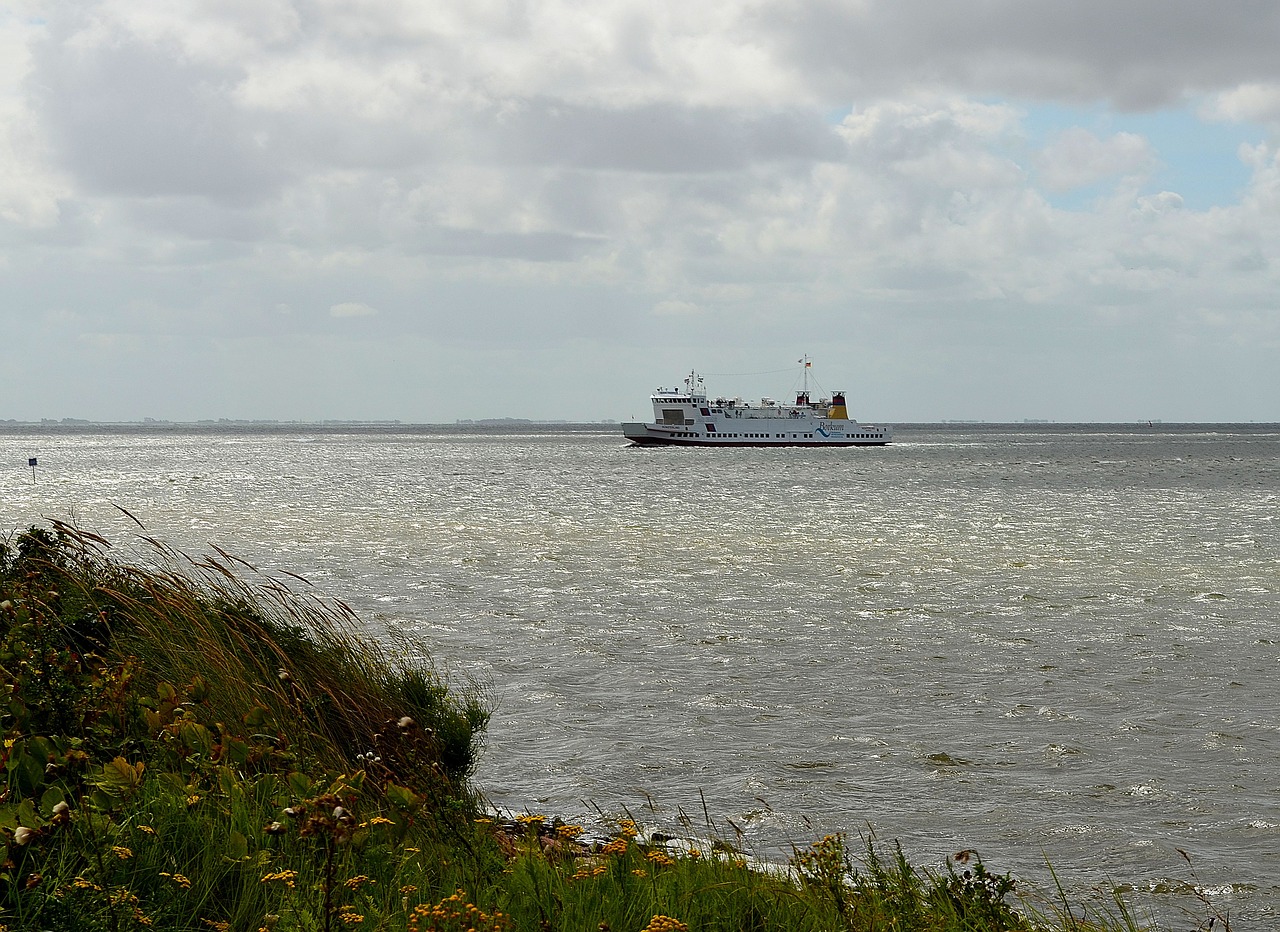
[{"x": 193, "y": 745}]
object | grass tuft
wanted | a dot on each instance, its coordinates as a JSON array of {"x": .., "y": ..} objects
[{"x": 193, "y": 745}]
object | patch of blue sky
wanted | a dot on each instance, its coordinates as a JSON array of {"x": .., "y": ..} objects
[{"x": 1197, "y": 159}]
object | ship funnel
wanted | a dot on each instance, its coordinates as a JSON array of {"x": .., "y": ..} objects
[{"x": 837, "y": 411}]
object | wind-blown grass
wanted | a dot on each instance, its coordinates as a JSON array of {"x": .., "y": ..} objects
[{"x": 192, "y": 745}]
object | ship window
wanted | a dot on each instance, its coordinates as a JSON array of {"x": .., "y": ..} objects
[{"x": 672, "y": 416}]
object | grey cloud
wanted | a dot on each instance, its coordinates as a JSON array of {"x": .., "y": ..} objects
[
  {"x": 128, "y": 119},
  {"x": 663, "y": 137},
  {"x": 199, "y": 218},
  {"x": 545, "y": 246},
  {"x": 1137, "y": 54}
]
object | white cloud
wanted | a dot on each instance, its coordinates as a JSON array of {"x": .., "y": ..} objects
[
  {"x": 1159, "y": 203},
  {"x": 673, "y": 307},
  {"x": 1249, "y": 102},
  {"x": 491, "y": 175},
  {"x": 1077, "y": 158},
  {"x": 30, "y": 190},
  {"x": 351, "y": 309}
]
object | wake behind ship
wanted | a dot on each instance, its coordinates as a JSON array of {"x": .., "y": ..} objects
[{"x": 688, "y": 417}]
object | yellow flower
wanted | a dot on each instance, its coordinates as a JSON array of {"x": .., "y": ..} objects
[
  {"x": 569, "y": 831},
  {"x": 121, "y": 852},
  {"x": 180, "y": 880},
  {"x": 665, "y": 924},
  {"x": 617, "y": 846},
  {"x": 584, "y": 873},
  {"x": 288, "y": 878},
  {"x": 355, "y": 883},
  {"x": 147, "y": 829}
]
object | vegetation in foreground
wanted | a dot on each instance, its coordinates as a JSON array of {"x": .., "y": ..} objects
[{"x": 212, "y": 750}]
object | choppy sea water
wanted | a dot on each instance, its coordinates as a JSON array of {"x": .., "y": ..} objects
[{"x": 1047, "y": 643}]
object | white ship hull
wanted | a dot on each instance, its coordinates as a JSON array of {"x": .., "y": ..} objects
[
  {"x": 687, "y": 417},
  {"x": 822, "y": 435}
]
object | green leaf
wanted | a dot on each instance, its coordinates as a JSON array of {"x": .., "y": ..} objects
[
  {"x": 196, "y": 737},
  {"x": 402, "y": 797},
  {"x": 52, "y": 796},
  {"x": 119, "y": 778},
  {"x": 229, "y": 783},
  {"x": 234, "y": 750},
  {"x": 26, "y": 769},
  {"x": 258, "y": 716},
  {"x": 300, "y": 784},
  {"x": 237, "y": 846}
]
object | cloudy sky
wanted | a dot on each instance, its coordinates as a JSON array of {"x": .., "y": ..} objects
[{"x": 310, "y": 209}]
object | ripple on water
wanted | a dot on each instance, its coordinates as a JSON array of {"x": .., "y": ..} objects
[{"x": 1079, "y": 621}]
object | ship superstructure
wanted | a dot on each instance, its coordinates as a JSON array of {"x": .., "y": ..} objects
[{"x": 687, "y": 416}]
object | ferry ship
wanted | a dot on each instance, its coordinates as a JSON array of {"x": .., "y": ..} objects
[{"x": 688, "y": 417}]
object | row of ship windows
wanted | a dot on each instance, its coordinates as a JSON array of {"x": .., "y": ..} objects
[
  {"x": 773, "y": 436},
  {"x": 689, "y": 433}
]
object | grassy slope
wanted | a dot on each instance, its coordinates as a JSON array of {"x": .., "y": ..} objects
[{"x": 211, "y": 749}]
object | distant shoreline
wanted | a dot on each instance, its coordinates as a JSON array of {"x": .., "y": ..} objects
[{"x": 78, "y": 425}]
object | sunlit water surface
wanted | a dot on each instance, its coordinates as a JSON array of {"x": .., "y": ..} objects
[{"x": 1046, "y": 643}]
